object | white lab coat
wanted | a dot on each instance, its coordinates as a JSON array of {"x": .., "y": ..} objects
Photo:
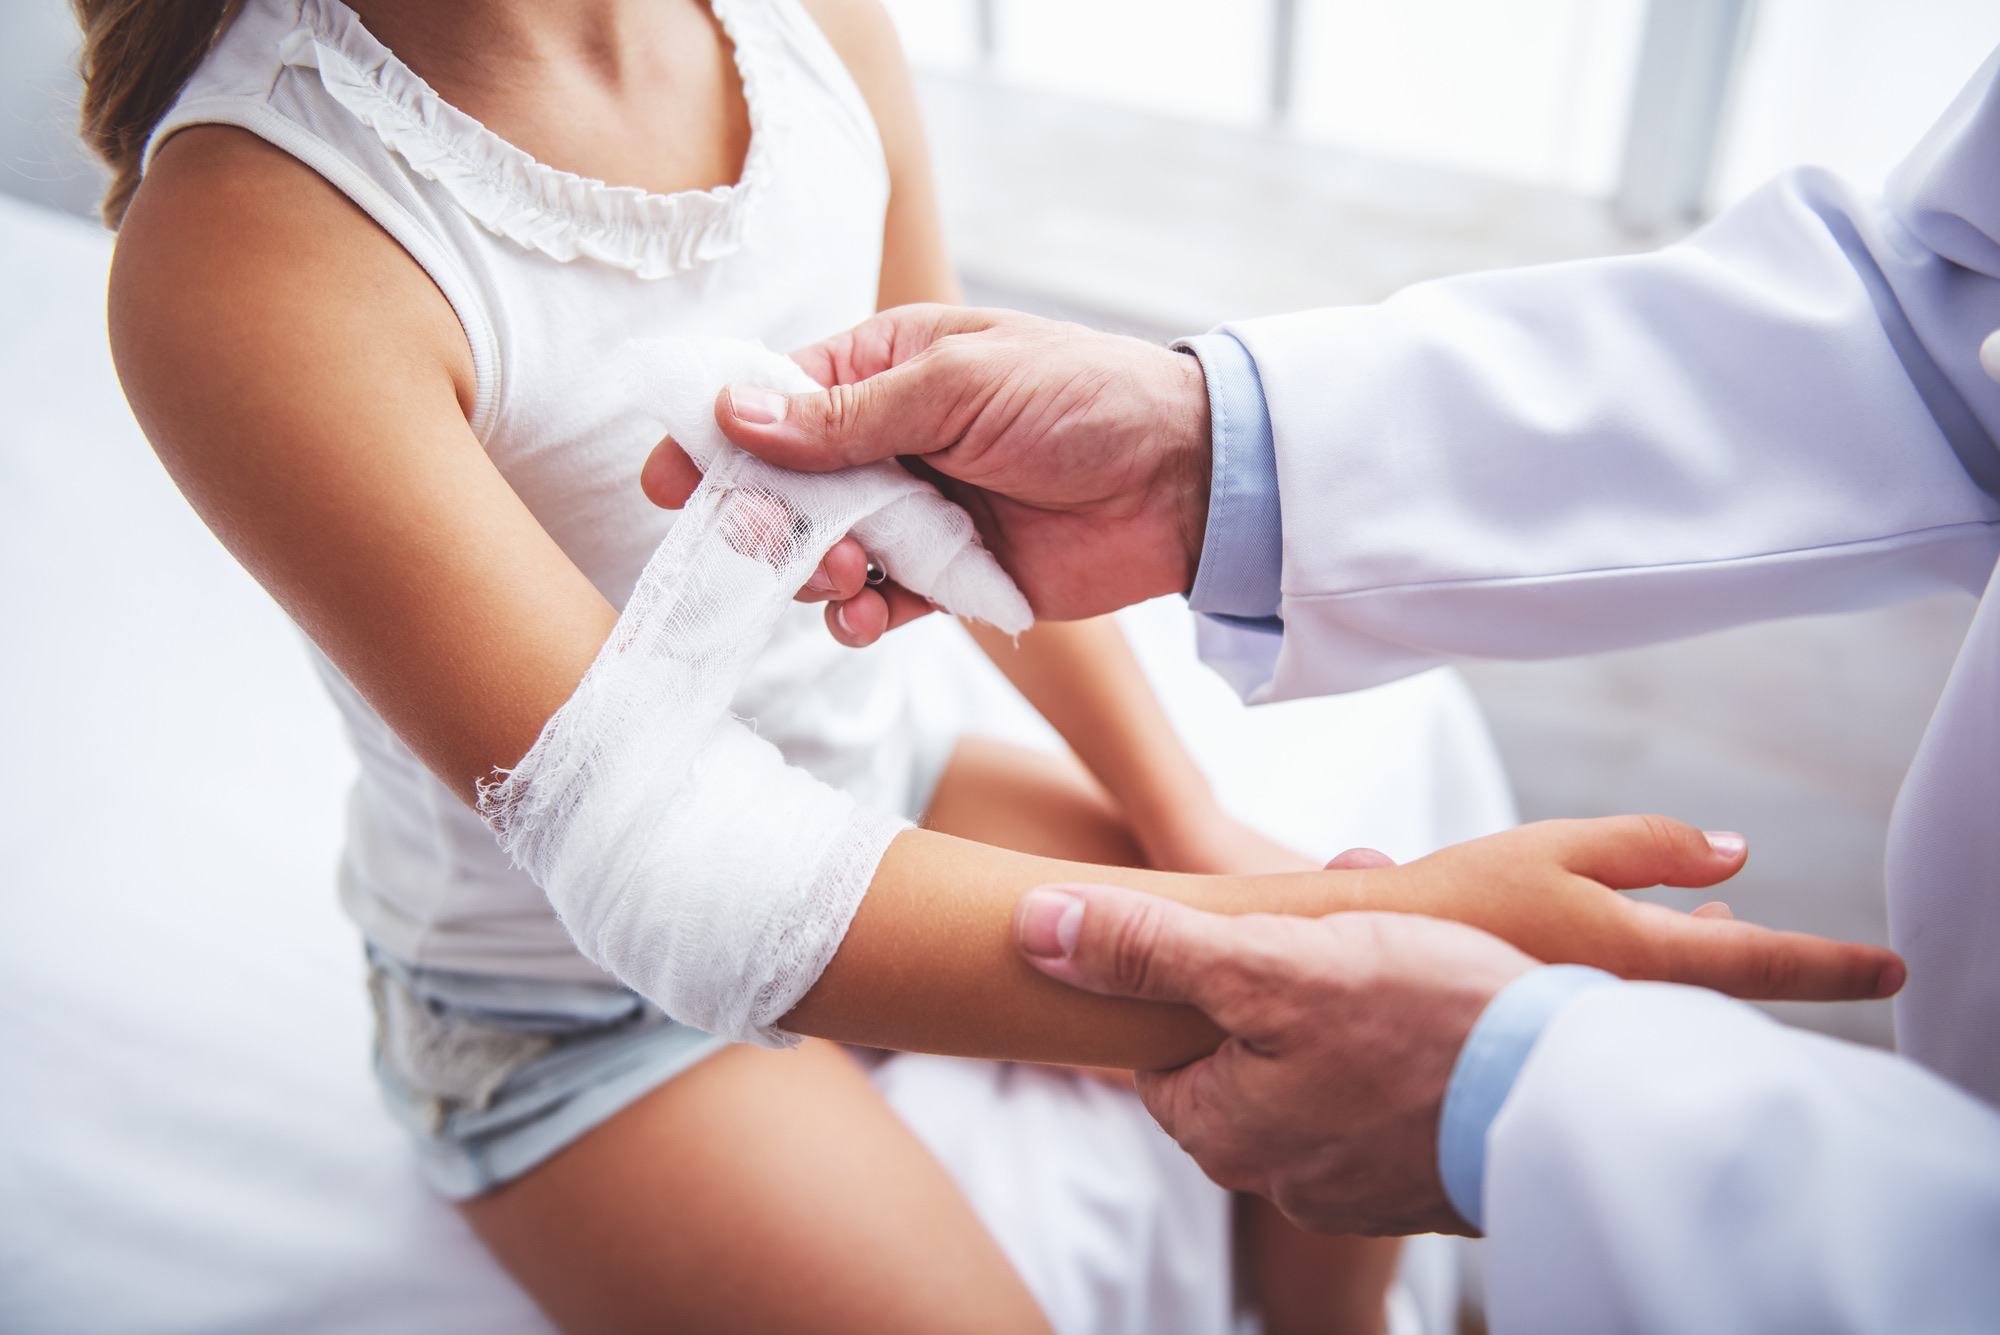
[{"x": 1597, "y": 454}]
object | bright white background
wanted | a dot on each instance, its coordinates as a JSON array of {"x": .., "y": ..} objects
[{"x": 1528, "y": 90}]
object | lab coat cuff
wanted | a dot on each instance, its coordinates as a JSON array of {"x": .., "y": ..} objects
[
  {"x": 1244, "y": 654},
  {"x": 1487, "y": 1066},
  {"x": 1242, "y": 548}
]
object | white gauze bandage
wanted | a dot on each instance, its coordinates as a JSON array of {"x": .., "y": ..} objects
[{"x": 681, "y": 851}]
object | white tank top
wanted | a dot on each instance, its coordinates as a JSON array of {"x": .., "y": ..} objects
[{"x": 550, "y": 274}]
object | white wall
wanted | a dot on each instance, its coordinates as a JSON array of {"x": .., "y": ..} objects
[
  {"x": 1849, "y": 84},
  {"x": 1186, "y": 57},
  {"x": 1530, "y": 90}
]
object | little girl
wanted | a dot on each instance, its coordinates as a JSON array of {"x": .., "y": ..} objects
[
  {"x": 363, "y": 305},
  {"x": 364, "y": 302}
]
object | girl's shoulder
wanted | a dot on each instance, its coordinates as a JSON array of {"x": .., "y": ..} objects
[
  {"x": 237, "y": 260},
  {"x": 863, "y": 35}
]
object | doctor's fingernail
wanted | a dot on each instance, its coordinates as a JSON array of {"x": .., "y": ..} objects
[
  {"x": 820, "y": 581},
  {"x": 759, "y": 407},
  {"x": 1892, "y": 980},
  {"x": 1047, "y": 923},
  {"x": 1727, "y": 843}
]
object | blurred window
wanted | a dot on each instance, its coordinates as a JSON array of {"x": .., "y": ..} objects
[{"x": 1537, "y": 91}]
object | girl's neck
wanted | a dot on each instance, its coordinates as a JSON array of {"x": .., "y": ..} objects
[
  {"x": 477, "y": 42},
  {"x": 633, "y": 92}
]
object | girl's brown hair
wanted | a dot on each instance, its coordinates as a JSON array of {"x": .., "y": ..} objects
[{"x": 136, "y": 56}]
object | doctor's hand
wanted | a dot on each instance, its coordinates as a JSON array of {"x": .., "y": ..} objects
[
  {"x": 1343, "y": 1029},
  {"x": 1082, "y": 456},
  {"x": 1342, "y": 1034}
]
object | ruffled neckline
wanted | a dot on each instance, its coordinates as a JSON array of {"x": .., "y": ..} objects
[{"x": 558, "y": 213}]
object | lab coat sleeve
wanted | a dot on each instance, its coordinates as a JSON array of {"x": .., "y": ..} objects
[
  {"x": 1670, "y": 1160},
  {"x": 1783, "y": 414}
]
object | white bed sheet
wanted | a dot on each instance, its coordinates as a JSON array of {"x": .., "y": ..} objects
[
  {"x": 191, "y": 1141},
  {"x": 189, "y": 1138}
]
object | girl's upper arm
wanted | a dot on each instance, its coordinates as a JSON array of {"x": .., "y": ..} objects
[
  {"x": 915, "y": 266},
  {"x": 307, "y": 387}
]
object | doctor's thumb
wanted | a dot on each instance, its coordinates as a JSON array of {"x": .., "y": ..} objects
[
  {"x": 1122, "y": 943},
  {"x": 886, "y": 415}
]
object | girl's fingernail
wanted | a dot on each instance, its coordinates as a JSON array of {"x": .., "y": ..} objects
[
  {"x": 1892, "y": 980},
  {"x": 1047, "y": 923},
  {"x": 1728, "y": 843},
  {"x": 840, "y": 615},
  {"x": 759, "y": 407},
  {"x": 820, "y": 583}
]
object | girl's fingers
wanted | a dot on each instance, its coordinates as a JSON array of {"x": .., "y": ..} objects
[
  {"x": 1636, "y": 852},
  {"x": 1745, "y": 960},
  {"x": 1583, "y": 925}
]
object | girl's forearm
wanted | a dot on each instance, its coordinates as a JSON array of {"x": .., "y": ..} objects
[{"x": 929, "y": 963}]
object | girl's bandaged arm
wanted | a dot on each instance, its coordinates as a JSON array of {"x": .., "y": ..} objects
[{"x": 682, "y": 853}]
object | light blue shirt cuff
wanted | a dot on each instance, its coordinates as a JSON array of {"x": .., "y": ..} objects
[
  {"x": 1243, "y": 547},
  {"x": 1488, "y": 1064}
]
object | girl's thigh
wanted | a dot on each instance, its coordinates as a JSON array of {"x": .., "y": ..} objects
[
  {"x": 1031, "y": 802},
  {"x": 759, "y": 1191},
  {"x": 1309, "y": 1283}
]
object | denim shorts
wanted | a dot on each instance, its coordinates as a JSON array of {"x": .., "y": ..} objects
[{"x": 493, "y": 1075}]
